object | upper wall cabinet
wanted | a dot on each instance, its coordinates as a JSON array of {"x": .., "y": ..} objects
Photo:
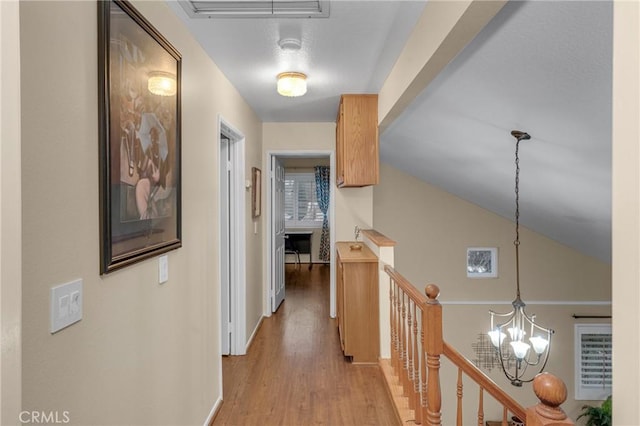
[{"x": 357, "y": 159}]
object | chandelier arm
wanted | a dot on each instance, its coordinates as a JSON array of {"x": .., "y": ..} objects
[
  {"x": 530, "y": 318},
  {"x": 533, "y": 364},
  {"x": 549, "y": 331},
  {"x": 508, "y": 314},
  {"x": 502, "y": 363},
  {"x": 524, "y": 369},
  {"x": 546, "y": 356},
  {"x": 500, "y": 349}
]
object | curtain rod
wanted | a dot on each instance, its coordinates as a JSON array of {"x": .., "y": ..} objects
[{"x": 590, "y": 316}]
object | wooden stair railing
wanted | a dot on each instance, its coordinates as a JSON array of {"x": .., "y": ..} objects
[
  {"x": 416, "y": 349},
  {"x": 486, "y": 384}
]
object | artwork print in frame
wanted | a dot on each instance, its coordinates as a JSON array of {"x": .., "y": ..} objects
[
  {"x": 482, "y": 262},
  {"x": 256, "y": 193},
  {"x": 139, "y": 76}
]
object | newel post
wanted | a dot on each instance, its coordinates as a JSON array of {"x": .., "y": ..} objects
[
  {"x": 552, "y": 392},
  {"x": 432, "y": 327}
]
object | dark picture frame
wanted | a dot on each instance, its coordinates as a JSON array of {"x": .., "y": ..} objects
[
  {"x": 139, "y": 74},
  {"x": 256, "y": 192}
]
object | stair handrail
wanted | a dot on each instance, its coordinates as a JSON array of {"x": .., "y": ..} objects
[
  {"x": 550, "y": 390},
  {"x": 484, "y": 381}
]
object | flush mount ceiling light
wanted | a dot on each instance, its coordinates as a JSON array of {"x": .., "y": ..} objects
[
  {"x": 292, "y": 84},
  {"x": 162, "y": 83},
  {"x": 289, "y": 43},
  {"x": 508, "y": 337}
]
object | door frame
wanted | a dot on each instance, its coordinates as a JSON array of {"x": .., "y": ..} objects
[
  {"x": 269, "y": 237},
  {"x": 237, "y": 273}
]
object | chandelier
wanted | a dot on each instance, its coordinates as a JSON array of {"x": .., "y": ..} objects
[{"x": 509, "y": 331}]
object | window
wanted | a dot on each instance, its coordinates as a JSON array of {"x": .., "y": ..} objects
[
  {"x": 593, "y": 361},
  {"x": 301, "y": 208}
]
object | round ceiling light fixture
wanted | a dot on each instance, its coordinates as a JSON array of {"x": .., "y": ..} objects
[
  {"x": 290, "y": 43},
  {"x": 292, "y": 84},
  {"x": 162, "y": 83}
]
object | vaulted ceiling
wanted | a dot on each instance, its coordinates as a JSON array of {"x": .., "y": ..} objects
[{"x": 541, "y": 67}]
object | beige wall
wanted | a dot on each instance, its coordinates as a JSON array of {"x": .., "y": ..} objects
[
  {"x": 143, "y": 353},
  {"x": 433, "y": 230},
  {"x": 626, "y": 212},
  {"x": 10, "y": 212}
]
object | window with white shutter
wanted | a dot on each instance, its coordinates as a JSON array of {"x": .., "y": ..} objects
[
  {"x": 301, "y": 208},
  {"x": 593, "y": 373}
]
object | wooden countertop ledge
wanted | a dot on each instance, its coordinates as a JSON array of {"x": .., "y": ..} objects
[
  {"x": 347, "y": 255},
  {"x": 378, "y": 239}
]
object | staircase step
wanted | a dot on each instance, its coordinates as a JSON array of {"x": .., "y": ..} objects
[{"x": 400, "y": 402}]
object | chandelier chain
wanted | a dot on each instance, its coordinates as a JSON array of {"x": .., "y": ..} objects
[{"x": 517, "y": 240}]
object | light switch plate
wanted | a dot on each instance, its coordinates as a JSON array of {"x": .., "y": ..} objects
[
  {"x": 66, "y": 305},
  {"x": 163, "y": 269}
]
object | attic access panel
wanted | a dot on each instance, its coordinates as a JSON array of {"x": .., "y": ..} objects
[{"x": 256, "y": 8}]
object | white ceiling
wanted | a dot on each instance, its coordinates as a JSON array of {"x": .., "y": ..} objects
[
  {"x": 352, "y": 51},
  {"x": 541, "y": 67}
]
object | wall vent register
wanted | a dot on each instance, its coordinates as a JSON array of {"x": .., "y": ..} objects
[{"x": 256, "y": 8}]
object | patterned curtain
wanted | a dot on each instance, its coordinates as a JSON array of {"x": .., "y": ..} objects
[{"x": 322, "y": 194}]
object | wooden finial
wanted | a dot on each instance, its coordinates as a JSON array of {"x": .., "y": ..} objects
[
  {"x": 432, "y": 291},
  {"x": 552, "y": 392}
]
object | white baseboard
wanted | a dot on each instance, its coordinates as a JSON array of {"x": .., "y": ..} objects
[
  {"x": 213, "y": 412},
  {"x": 255, "y": 331}
]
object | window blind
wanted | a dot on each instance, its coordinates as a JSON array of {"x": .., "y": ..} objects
[
  {"x": 594, "y": 372},
  {"x": 301, "y": 208}
]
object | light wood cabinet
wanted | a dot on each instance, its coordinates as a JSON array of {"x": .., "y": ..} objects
[
  {"x": 357, "y": 303},
  {"x": 357, "y": 158}
]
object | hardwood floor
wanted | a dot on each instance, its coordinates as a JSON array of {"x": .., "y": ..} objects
[{"x": 295, "y": 373}]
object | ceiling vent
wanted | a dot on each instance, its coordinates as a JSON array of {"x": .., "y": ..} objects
[{"x": 256, "y": 8}]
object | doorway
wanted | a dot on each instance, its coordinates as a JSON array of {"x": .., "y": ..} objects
[
  {"x": 231, "y": 211},
  {"x": 277, "y": 163}
]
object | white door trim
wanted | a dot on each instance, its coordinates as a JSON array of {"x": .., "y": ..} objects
[
  {"x": 224, "y": 236},
  {"x": 332, "y": 230},
  {"x": 238, "y": 293}
]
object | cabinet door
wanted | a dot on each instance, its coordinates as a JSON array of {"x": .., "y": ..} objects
[
  {"x": 357, "y": 141},
  {"x": 340, "y": 301},
  {"x": 340, "y": 146},
  {"x": 361, "y": 328}
]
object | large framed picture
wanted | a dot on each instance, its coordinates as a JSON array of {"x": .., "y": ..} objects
[{"x": 139, "y": 116}]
